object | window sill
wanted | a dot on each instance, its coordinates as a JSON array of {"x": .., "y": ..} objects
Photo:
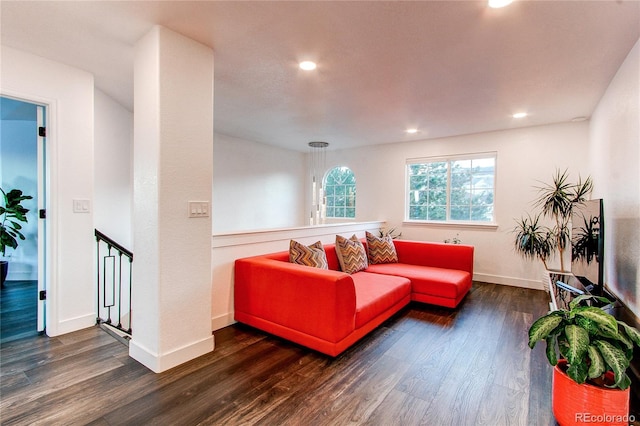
[{"x": 458, "y": 225}]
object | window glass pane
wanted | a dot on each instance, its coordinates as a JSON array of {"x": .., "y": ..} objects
[
  {"x": 330, "y": 202},
  {"x": 418, "y": 213},
  {"x": 340, "y": 191},
  {"x": 460, "y": 196},
  {"x": 460, "y": 212},
  {"x": 484, "y": 214},
  {"x": 437, "y": 213},
  {"x": 459, "y": 189},
  {"x": 350, "y": 202},
  {"x": 417, "y": 182}
]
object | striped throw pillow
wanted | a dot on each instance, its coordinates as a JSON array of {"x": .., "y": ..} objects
[
  {"x": 351, "y": 254},
  {"x": 312, "y": 255},
  {"x": 381, "y": 249}
]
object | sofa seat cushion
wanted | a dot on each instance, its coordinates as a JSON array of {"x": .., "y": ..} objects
[
  {"x": 376, "y": 293},
  {"x": 440, "y": 282}
]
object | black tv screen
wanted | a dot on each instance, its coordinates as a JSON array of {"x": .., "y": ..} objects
[{"x": 587, "y": 245}]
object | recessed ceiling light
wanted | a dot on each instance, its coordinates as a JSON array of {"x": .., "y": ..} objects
[
  {"x": 307, "y": 65},
  {"x": 519, "y": 115},
  {"x": 499, "y": 3},
  {"x": 411, "y": 131}
]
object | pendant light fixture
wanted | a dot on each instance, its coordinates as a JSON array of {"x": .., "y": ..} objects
[{"x": 318, "y": 165}]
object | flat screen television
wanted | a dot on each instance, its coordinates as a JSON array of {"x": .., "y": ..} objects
[{"x": 587, "y": 245}]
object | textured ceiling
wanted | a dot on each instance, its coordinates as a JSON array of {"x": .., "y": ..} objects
[{"x": 445, "y": 67}]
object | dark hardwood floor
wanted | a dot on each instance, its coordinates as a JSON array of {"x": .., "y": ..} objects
[
  {"x": 426, "y": 365},
  {"x": 18, "y": 310}
]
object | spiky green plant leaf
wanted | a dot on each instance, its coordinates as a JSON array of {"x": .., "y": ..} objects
[
  {"x": 543, "y": 326},
  {"x": 597, "y": 366},
  {"x": 615, "y": 359},
  {"x": 578, "y": 340}
]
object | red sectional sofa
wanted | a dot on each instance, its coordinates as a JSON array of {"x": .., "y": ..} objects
[{"x": 329, "y": 310}]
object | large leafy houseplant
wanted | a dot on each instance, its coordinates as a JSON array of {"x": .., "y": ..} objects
[
  {"x": 12, "y": 213},
  {"x": 591, "y": 341},
  {"x": 556, "y": 201}
]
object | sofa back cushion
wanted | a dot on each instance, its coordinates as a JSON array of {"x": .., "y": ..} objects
[
  {"x": 329, "y": 251},
  {"x": 351, "y": 254},
  {"x": 381, "y": 249},
  {"x": 312, "y": 255}
]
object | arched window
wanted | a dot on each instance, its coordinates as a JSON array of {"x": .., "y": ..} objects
[{"x": 340, "y": 190}]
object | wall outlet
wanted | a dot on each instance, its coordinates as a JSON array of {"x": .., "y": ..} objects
[{"x": 198, "y": 209}]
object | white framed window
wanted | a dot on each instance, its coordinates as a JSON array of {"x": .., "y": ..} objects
[
  {"x": 454, "y": 189},
  {"x": 340, "y": 192}
]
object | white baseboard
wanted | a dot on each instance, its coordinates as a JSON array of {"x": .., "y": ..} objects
[
  {"x": 222, "y": 321},
  {"x": 159, "y": 363},
  {"x": 514, "y": 282},
  {"x": 71, "y": 325}
]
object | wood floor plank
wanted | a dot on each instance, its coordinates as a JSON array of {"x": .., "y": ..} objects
[
  {"x": 426, "y": 365},
  {"x": 18, "y": 310},
  {"x": 399, "y": 409},
  {"x": 503, "y": 406},
  {"x": 57, "y": 375},
  {"x": 362, "y": 397},
  {"x": 459, "y": 394}
]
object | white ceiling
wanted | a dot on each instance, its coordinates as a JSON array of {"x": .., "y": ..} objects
[{"x": 445, "y": 67}]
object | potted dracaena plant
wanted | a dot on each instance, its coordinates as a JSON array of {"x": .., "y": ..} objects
[
  {"x": 591, "y": 352},
  {"x": 556, "y": 201},
  {"x": 11, "y": 213}
]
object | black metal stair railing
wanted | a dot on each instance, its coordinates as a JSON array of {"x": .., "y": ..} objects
[{"x": 114, "y": 270}]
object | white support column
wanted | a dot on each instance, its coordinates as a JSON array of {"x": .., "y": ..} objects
[{"x": 173, "y": 164}]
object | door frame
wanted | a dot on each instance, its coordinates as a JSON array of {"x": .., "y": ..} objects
[{"x": 46, "y": 234}]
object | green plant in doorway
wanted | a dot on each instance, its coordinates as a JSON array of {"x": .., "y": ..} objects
[{"x": 12, "y": 213}]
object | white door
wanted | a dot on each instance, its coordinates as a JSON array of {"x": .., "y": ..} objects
[{"x": 42, "y": 203}]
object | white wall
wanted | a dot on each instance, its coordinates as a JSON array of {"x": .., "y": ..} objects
[
  {"x": 173, "y": 164},
  {"x": 615, "y": 159},
  {"x": 256, "y": 186},
  {"x": 18, "y": 170},
  {"x": 524, "y": 157},
  {"x": 113, "y": 172},
  {"x": 68, "y": 94}
]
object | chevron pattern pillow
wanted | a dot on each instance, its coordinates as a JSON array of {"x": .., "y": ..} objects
[
  {"x": 312, "y": 255},
  {"x": 351, "y": 254},
  {"x": 381, "y": 249}
]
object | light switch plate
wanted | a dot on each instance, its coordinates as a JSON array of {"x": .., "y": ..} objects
[
  {"x": 198, "y": 209},
  {"x": 81, "y": 206}
]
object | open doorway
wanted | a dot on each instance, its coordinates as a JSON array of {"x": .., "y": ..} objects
[{"x": 22, "y": 138}]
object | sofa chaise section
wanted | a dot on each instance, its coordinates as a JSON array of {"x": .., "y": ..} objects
[{"x": 441, "y": 274}]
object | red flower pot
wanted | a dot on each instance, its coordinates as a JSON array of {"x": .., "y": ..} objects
[{"x": 585, "y": 404}]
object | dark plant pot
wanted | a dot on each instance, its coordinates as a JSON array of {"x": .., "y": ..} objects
[
  {"x": 4, "y": 269},
  {"x": 580, "y": 404}
]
